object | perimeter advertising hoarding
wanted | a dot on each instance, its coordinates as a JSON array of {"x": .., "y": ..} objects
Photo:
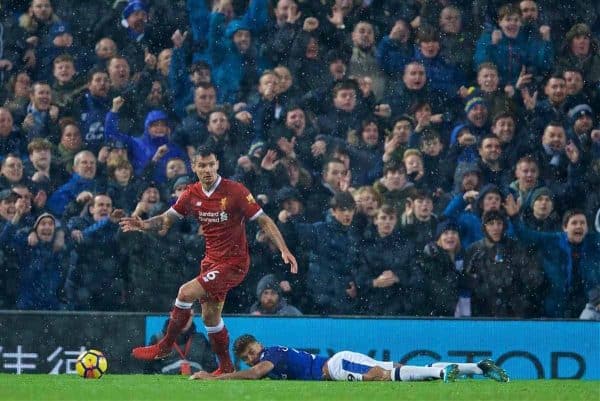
[{"x": 527, "y": 349}]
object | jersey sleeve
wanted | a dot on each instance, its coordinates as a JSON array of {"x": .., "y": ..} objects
[
  {"x": 274, "y": 355},
  {"x": 183, "y": 206},
  {"x": 248, "y": 205}
]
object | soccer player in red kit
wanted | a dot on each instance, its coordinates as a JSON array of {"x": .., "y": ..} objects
[{"x": 222, "y": 207}]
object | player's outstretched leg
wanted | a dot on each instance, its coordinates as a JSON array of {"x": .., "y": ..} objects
[
  {"x": 409, "y": 373},
  {"x": 493, "y": 371},
  {"x": 219, "y": 342}
]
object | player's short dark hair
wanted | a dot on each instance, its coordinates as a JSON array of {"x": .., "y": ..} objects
[
  {"x": 242, "y": 342},
  {"x": 569, "y": 214},
  {"x": 205, "y": 151},
  {"x": 343, "y": 200}
]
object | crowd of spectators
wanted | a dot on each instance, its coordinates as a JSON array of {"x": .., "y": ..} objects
[{"x": 422, "y": 157}]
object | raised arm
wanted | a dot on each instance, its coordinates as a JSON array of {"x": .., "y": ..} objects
[
  {"x": 257, "y": 372},
  {"x": 157, "y": 223},
  {"x": 270, "y": 228}
]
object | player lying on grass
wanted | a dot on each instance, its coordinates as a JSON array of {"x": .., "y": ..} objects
[{"x": 292, "y": 364}]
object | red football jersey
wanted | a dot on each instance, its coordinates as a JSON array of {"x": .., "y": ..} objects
[{"x": 222, "y": 212}]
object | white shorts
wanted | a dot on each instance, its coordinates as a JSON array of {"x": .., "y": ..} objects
[{"x": 350, "y": 366}]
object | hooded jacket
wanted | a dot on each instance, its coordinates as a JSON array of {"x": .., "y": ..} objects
[{"x": 141, "y": 149}]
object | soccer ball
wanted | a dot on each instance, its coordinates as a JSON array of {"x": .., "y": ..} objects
[{"x": 91, "y": 364}]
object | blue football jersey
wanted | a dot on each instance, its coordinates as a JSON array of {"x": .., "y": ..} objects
[{"x": 292, "y": 364}]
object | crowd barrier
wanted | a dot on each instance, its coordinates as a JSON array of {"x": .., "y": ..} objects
[{"x": 48, "y": 342}]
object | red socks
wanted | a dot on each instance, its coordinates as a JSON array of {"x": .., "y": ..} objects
[
  {"x": 219, "y": 343},
  {"x": 179, "y": 318}
]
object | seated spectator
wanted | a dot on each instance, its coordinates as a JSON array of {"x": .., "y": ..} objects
[
  {"x": 270, "y": 299},
  {"x": 592, "y": 308},
  {"x": 191, "y": 352}
]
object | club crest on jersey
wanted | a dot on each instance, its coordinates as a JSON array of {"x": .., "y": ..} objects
[
  {"x": 224, "y": 203},
  {"x": 223, "y": 216},
  {"x": 250, "y": 198}
]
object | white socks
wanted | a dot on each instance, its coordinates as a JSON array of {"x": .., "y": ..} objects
[
  {"x": 463, "y": 368},
  {"x": 409, "y": 373}
]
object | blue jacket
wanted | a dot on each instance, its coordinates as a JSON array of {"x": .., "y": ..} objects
[
  {"x": 180, "y": 85},
  {"x": 510, "y": 55},
  {"x": 41, "y": 271},
  {"x": 227, "y": 61},
  {"x": 141, "y": 149},
  {"x": 392, "y": 56},
  {"x": 68, "y": 192},
  {"x": 440, "y": 75},
  {"x": 555, "y": 252}
]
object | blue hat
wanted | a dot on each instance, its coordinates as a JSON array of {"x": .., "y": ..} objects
[
  {"x": 59, "y": 28},
  {"x": 134, "y": 6}
]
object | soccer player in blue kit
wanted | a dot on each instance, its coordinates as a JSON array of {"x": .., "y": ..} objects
[{"x": 286, "y": 363}]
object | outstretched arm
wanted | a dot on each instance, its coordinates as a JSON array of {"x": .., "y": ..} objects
[
  {"x": 156, "y": 223},
  {"x": 257, "y": 372},
  {"x": 270, "y": 228}
]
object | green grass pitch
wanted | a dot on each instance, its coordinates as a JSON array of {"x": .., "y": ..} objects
[{"x": 157, "y": 387}]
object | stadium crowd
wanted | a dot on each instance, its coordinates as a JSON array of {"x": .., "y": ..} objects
[{"x": 422, "y": 157}]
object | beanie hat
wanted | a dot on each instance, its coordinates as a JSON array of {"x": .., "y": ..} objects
[
  {"x": 539, "y": 192},
  {"x": 132, "y": 7},
  {"x": 43, "y": 216},
  {"x": 472, "y": 102},
  {"x": 445, "y": 225},
  {"x": 183, "y": 180},
  {"x": 580, "y": 110},
  {"x": 268, "y": 282}
]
